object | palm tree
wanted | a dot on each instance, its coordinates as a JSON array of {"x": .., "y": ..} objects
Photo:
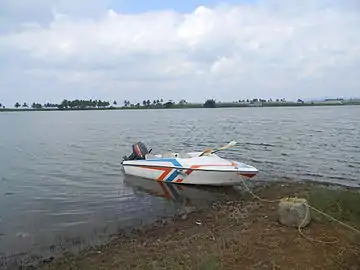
[
  {"x": 182, "y": 102},
  {"x": 144, "y": 103},
  {"x": 210, "y": 103},
  {"x": 25, "y": 105},
  {"x": 114, "y": 102},
  {"x": 169, "y": 104},
  {"x": 17, "y": 105}
]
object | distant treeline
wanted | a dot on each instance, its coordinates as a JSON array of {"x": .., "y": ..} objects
[
  {"x": 79, "y": 104},
  {"x": 92, "y": 104}
]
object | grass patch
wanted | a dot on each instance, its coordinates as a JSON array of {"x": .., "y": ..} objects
[
  {"x": 209, "y": 263},
  {"x": 342, "y": 204}
]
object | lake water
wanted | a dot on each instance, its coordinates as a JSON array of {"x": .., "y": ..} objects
[{"x": 60, "y": 176}]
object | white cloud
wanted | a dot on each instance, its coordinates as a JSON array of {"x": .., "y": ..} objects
[{"x": 271, "y": 49}]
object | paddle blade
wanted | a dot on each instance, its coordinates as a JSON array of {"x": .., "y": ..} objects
[
  {"x": 208, "y": 150},
  {"x": 230, "y": 144}
]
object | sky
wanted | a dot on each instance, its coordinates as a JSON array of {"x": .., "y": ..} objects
[{"x": 52, "y": 50}]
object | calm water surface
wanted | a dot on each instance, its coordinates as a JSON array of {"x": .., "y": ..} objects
[{"x": 60, "y": 177}]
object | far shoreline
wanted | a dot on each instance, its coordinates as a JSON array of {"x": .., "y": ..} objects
[{"x": 192, "y": 106}]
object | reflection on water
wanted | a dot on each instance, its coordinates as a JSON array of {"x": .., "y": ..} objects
[{"x": 180, "y": 194}]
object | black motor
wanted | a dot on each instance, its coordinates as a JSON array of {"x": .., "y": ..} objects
[{"x": 139, "y": 152}]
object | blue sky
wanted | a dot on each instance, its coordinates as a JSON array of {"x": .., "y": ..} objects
[{"x": 115, "y": 50}]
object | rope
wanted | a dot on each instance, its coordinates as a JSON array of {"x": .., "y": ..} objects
[
  {"x": 334, "y": 219},
  {"x": 306, "y": 215},
  {"x": 310, "y": 238}
]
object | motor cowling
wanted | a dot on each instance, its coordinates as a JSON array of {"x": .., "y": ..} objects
[{"x": 139, "y": 152}]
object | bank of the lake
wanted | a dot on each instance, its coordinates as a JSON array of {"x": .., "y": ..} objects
[
  {"x": 237, "y": 233},
  {"x": 193, "y": 106}
]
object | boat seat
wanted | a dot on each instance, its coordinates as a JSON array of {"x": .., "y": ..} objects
[
  {"x": 176, "y": 155},
  {"x": 183, "y": 155},
  {"x": 148, "y": 156},
  {"x": 168, "y": 155},
  {"x": 165, "y": 155}
]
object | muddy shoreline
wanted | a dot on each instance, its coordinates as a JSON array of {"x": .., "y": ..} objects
[{"x": 232, "y": 232}]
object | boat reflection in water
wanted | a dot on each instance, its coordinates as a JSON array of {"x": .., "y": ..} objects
[{"x": 182, "y": 195}]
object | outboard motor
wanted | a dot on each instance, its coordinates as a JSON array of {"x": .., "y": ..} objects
[{"x": 139, "y": 152}]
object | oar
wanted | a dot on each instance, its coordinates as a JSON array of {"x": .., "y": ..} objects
[{"x": 230, "y": 144}]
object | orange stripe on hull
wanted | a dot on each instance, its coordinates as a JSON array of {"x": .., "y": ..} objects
[
  {"x": 165, "y": 171},
  {"x": 164, "y": 174}
]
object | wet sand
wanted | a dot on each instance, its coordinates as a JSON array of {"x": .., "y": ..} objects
[{"x": 242, "y": 233}]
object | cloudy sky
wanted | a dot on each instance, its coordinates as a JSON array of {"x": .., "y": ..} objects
[{"x": 135, "y": 50}]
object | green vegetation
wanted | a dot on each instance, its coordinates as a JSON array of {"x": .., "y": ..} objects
[
  {"x": 161, "y": 104},
  {"x": 339, "y": 203}
]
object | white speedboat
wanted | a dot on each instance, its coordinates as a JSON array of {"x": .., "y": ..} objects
[{"x": 198, "y": 168}]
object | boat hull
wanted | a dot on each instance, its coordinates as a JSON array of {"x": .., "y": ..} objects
[
  {"x": 212, "y": 170},
  {"x": 220, "y": 178}
]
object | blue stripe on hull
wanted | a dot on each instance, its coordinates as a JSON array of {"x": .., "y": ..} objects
[
  {"x": 171, "y": 160},
  {"x": 172, "y": 176}
]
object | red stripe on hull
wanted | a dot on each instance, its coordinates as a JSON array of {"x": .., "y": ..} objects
[{"x": 249, "y": 175}]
